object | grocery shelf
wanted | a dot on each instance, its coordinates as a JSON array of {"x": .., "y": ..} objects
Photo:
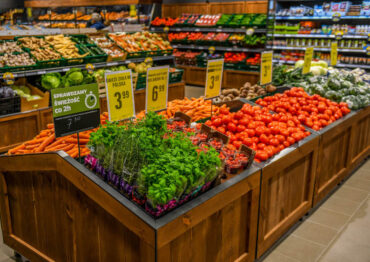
[
  {"x": 82, "y": 66},
  {"x": 362, "y": 51},
  {"x": 319, "y": 36},
  {"x": 275, "y": 61},
  {"x": 209, "y": 29},
  {"x": 318, "y": 17},
  {"x": 220, "y": 48}
]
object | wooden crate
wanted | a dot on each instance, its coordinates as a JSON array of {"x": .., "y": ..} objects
[
  {"x": 360, "y": 138},
  {"x": 35, "y": 104},
  {"x": 286, "y": 192},
  {"x": 237, "y": 78},
  {"x": 54, "y": 209},
  {"x": 334, "y": 156}
]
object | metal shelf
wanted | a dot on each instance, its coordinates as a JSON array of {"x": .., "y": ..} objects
[
  {"x": 338, "y": 65},
  {"x": 318, "y": 18},
  {"x": 82, "y": 66},
  {"x": 208, "y": 29},
  {"x": 320, "y": 36},
  {"x": 220, "y": 48},
  {"x": 319, "y": 49}
]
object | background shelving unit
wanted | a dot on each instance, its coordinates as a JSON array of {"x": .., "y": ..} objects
[{"x": 317, "y": 28}]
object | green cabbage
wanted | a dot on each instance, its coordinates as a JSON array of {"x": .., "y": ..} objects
[{"x": 51, "y": 81}]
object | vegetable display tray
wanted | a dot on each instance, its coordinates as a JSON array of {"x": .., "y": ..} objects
[{"x": 176, "y": 76}]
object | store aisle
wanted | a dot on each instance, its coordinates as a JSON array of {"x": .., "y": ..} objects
[{"x": 339, "y": 231}]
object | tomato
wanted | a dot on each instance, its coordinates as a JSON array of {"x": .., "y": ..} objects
[
  {"x": 231, "y": 127},
  {"x": 217, "y": 122},
  {"x": 307, "y": 133},
  {"x": 244, "y": 121},
  {"x": 284, "y": 132},
  {"x": 264, "y": 139},
  {"x": 281, "y": 138},
  {"x": 316, "y": 127},
  {"x": 323, "y": 122},
  {"x": 248, "y": 141},
  {"x": 232, "y": 138},
  {"x": 259, "y": 130},
  {"x": 255, "y": 139},
  {"x": 309, "y": 122},
  {"x": 229, "y": 133},
  {"x": 251, "y": 132},
  {"x": 275, "y": 130},
  {"x": 239, "y": 115},
  {"x": 286, "y": 143},
  {"x": 290, "y": 123},
  {"x": 281, "y": 147},
  {"x": 240, "y": 128},
  {"x": 226, "y": 119},
  {"x": 235, "y": 121},
  {"x": 291, "y": 140},
  {"x": 274, "y": 142},
  {"x": 224, "y": 110},
  {"x": 328, "y": 112},
  {"x": 297, "y": 136},
  {"x": 208, "y": 123},
  {"x": 261, "y": 146},
  {"x": 221, "y": 129},
  {"x": 261, "y": 155},
  {"x": 252, "y": 125},
  {"x": 237, "y": 144},
  {"x": 269, "y": 151}
]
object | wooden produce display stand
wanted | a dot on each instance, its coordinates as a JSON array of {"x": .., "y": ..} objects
[
  {"x": 20, "y": 127},
  {"x": 55, "y": 209},
  {"x": 231, "y": 78}
]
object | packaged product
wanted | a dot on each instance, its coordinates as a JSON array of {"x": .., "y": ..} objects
[
  {"x": 365, "y": 8},
  {"x": 318, "y": 10}
]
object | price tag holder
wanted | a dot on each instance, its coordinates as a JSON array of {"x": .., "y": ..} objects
[
  {"x": 8, "y": 78},
  {"x": 307, "y": 60},
  {"x": 166, "y": 29},
  {"x": 75, "y": 109},
  {"x": 368, "y": 50},
  {"x": 211, "y": 50},
  {"x": 120, "y": 95},
  {"x": 90, "y": 68},
  {"x": 334, "y": 53},
  {"x": 368, "y": 37},
  {"x": 156, "y": 88},
  {"x": 215, "y": 69},
  {"x": 336, "y": 17},
  {"x": 250, "y": 31},
  {"x": 266, "y": 68},
  {"x": 339, "y": 36}
]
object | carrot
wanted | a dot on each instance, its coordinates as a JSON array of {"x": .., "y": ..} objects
[
  {"x": 50, "y": 126},
  {"x": 45, "y": 143},
  {"x": 29, "y": 147},
  {"x": 35, "y": 141},
  {"x": 75, "y": 141},
  {"x": 12, "y": 151}
]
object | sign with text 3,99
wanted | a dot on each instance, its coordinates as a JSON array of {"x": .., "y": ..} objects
[
  {"x": 75, "y": 109},
  {"x": 156, "y": 88},
  {"x": 307, "y": 60},
  {"x": 215, "y": 70},
  {"x": 120, "y": 95},
  {"x": 266, "y": 68}
]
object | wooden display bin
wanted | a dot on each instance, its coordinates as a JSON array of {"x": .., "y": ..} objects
[
  {"x": 286, "y": 190},
  {"x": 55, "y": 209},
  {"x": 334, "y": 156},
  {"x": 35, "y": 104},
  {"x": 360, "y": 138}
]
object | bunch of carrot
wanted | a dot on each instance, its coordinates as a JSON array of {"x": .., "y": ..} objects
[
  {"x": 196, "y": 108},
  {"x": 46, "y": 142}
]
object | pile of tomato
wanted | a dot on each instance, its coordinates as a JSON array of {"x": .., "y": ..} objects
[
  {"x": 314, "y": 111},
  {"x": 231, "y": 57},
  {"x": 258, "y": 129},
  {"x": 164, "y": 21}
]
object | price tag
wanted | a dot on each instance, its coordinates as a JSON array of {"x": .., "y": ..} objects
[
  {"x": 29, "y": 12},
  {"x": 9, "y": 78},
  {"x": 157, "y": 88},
  {"x": 368, "y": 37},
  {"x": 218, "y": 30},
  {"x": 49, "y": 12},
  {"x": 65, "y": 69},
  {"x": 211, "y": 50},
  {"x": 112, "y": 64},
  {"x": 41, "y": 72},
  {"x": 334, "y": 53},
  {"x": 336, "y": 17},
  {"x": 75, "y": 109},
  {"x": 120, "y": 95},
  {"x": 197, "y": 29},
  {"x": 148, "y": 60},
  {"x": 368, "y": 50},
  {"x": 339, "y": 36},
  {"x": 166, "y": 29},
  {"x": 215, "y": 69},
  {"x": 90, "y": 68},
  {"x": 307, "y": 60},
  {"x": 266, "y": 68}
]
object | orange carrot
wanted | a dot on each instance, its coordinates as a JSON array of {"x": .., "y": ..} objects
[
  {"x": 35, "y": 141},
  {"x": 12, "y": 151},
  {"x": 50, "y": 126},
  {"x": 45, "y": 143}
]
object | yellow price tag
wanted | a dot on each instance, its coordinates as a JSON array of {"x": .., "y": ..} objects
[
  {"x": 334, "y": 53},
  {"x": 307, "y": 60},
  {"x": 266, "y": 68},
  {"x": 215, "y": 69},
  {"x": 120, "y": 95},
  {"x": 157, "y": 88}
]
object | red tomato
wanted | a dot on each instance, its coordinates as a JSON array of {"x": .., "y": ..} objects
[
  {"x": 221, "y": 129},
  {"x": 239, "y": 115},
  {"x": 255, "y": 139},
  {"x": 261, "y": 146},
  {"x": 261, "y": 155},
  {"x": 231, "y": 127},
  {"x": 226, "y": 119},
  {"x": 248, "y": 141},
  {"x": 297, "y": 136},
  {"x": 286, "y": 143},
  {"x": 274, "y": 142},
  {"x": 244, "y": 121},
  {"x": 264, "y": 139},
  {"x": 240, "y": 128},
  {"x": 237, "y": 144},
  {"x": 281, "y": 138},
  {"x": 251, "y": 132},
  {"x": 281, "y": 147},
  {"x": 232, "y": 138},
  {"x": 291, "y": 140},
  {"x": 260, "y": 130},
  {"x": 217, "y": 122},
  {"x": 208, "y": 123},
  {"x": 284, "y": 132},
  {"x": 224, "y": 110}
]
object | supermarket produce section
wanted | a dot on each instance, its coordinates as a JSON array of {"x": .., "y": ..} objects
[{"x": 219, "y": 178}]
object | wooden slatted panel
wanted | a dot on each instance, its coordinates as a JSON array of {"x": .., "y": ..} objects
[
  {"x": 236, "y": 79},
  {"x": 176, "y": 10},
  {"x": 286, "y": 193},
  {"x": 60, "y": 3},
  {"x": 256, "y": 7},
  {"x": 226, "y": 7}
]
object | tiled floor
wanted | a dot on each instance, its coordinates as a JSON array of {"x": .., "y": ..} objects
[{"x": 339, "y": 231}]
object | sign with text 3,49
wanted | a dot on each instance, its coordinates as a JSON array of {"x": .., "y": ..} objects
[
  {"x": 266, "y": 68},
  {"x": 120, "y": 95},
  {"x": 307, "y": 60},
  {"x": 215, "y": 70},
  {"x": 75, "y": 109},
  {"x": 156, "y": 88}
]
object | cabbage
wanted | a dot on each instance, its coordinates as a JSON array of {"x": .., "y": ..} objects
[
  {"x": 299, "y": 63},
  {"x": 322, "y": 64},
  {"x": 74, "y": 78},
  {"x": 51, "y": 81},
  {"x": 315, "y": 70}
]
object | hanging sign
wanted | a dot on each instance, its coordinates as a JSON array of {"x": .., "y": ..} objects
[
  {"x": 266, "y": 68},
  {"x": 75, "y": 109},
  {"x": 156, "y": 88},
  {"x": 215, "y": 69},
  {"x": 307, "y": 60},
  {"x": 120, "y": 95},
  {"x": 334, "y": 53}
]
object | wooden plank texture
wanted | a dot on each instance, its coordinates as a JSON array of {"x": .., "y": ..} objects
[
  {"x": 286, "y": 193},
  {"x": 68, "y": 3}
]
